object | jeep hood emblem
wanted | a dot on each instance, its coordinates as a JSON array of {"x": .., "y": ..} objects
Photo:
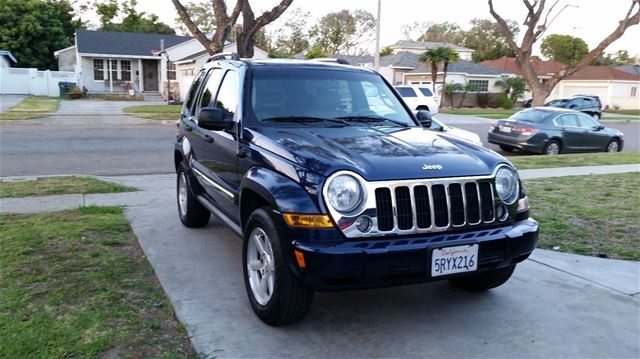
[{"x": 427, "y": 167}]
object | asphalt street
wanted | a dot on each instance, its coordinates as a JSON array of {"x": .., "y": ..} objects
[{"x": 115, "y": 144}]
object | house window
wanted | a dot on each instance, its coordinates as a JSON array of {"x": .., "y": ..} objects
[
  {"x": 98, "y": 69},
  {"x": 188, "y": 72},
  {"x": 481, "y": 85},
  {"x": 171, "y": 71},
  {"x": 634, "y": 91},
  {"x": 125, "y": 70},
  {"x": 114, "y": 69}
]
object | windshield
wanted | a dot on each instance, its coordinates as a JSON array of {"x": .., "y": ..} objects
[
  {"x": 296, "y": 93},
  {"x": 531, "y": 115}
]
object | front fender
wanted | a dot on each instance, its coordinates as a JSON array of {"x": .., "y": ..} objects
[{"x": 282, "y": 193}]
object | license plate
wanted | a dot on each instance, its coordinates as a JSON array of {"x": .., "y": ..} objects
[
  {"x": 450, "y": 260},
  {"x": 505, "y": 129}
]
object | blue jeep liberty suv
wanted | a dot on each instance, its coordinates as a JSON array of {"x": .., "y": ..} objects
[{"x": 334, "y": 184}]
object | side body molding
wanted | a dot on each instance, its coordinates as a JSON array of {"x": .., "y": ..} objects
[{"x": 282, "y": 193}]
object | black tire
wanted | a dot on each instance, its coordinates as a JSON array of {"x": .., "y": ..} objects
[
  {"x": 422, "y": 108},
  {"x": 550, "y": 145},
  {"x": 290, "y": 300},
  {"x": 610, "y": 144},
  {"x": 192, "y": 213},
  {"x": 596, "y": 115},
  {"x": 484, "y": 281},
  {"x": 507, "y": 148}
]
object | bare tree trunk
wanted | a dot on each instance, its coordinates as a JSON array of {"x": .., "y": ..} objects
[
  {"x": 251, "y": 25},
  {"x": 533, "y": 33},
  {"x": 434, "y": 76}
]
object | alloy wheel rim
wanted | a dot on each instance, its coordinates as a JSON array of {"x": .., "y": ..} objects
[
  {"x": 553, "y": 149},
  {"x": 613, "y": 147},
  {"x": 182, "y": 194},
  {"x": 260, "y": 266}
]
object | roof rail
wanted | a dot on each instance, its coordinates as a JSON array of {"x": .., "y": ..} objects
[
  {"x": 224, "y": 55},
  {"x": 331, "y": 59}
]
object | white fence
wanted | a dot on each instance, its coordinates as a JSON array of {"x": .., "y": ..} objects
[{"x": 14, "y": 80}]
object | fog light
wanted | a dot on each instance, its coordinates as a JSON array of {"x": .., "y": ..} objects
[
  {"x": 364, "y": 224},
  {"x": 502, "y": 212}
]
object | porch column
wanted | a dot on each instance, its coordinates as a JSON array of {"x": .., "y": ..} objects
[
  {"x": 140, "y": 76},
  {"x": 110, "y": 77}
]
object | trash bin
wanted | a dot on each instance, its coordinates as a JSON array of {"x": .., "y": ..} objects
[{"x": 65, "y": 87}]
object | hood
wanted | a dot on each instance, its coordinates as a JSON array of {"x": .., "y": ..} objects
[{"x": 377, "y": 153}]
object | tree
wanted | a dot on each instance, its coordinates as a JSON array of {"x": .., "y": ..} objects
[
  {"x": 386, "y": 51},
  {"x": 132, "y": 20},
  {"x": 343, "y": 31},
  {"x": 225, "y": 23},
  {"x": 514, "y": 87},
  {"x": 534, "y": 30},
  {"x": 487, "y": 41},
  {"x": 201, "y": 17},
  {"x": 314, "y": 53},
  {"x": 623, "y": 58},
  {"x": 468, "y": 87},
  {"x": 33, "y": 29},
  {"x": 436, "y": 32},
  {"x": 436, "y": 56},
  {"x": 565, "y": 49},
  {"x": 292, "y": 37}
]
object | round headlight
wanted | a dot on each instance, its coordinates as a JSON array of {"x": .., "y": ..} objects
[
  {"x": 344, "y": 193},
  {"x": 507, "y": 185}
]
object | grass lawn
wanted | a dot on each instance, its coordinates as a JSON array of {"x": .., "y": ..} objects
[
  {"x": 589, "y": 215},
  {"x": 17, "y": 116},
  {"x": 492, "y": 113},
  {"x": 75, "y": 284},
  {"x": 155, "y": 112},
  {"x": 575, "y": 160},
  {"x": 37, "y": 104},
  {"x": 59, "y": 185},
  {"x": 635, "y": 112}
]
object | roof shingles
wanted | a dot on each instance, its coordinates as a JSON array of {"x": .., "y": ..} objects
[{"x": 124, "y": 43}]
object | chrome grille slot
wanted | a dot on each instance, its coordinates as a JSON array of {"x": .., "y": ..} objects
[
  {"x": 440, "y": 208},
  {"x": 486, "y": 201},
  {"x": 457, "y": 204},
  {"x": 473, "y": 205},
  {"x": 403, "y": 207},
  {"x": 384, "y": 209},
  {"x": 423, "y": 208}
]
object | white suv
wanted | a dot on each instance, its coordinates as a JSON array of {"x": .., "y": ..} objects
[{"x": 418, "y": 98}]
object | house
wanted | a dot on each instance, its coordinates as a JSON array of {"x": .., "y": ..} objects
[
  {"x": 615, "y": 87},
  {"x": 7, "y": 59},
  {"x": 106, "y": 61},
  {"x": 419, "y": 47},
  {"x": 187, "y": 63}
]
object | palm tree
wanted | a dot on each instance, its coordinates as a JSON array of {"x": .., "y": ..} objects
[
  {"x": 514, "y": 86},
  {"x": 450, "y": 88},
  {"x": 434, "y": 57}
]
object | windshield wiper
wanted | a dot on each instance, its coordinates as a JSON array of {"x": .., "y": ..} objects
[
  {"x": 370, "y": 118},
  {"x": 300, "y": 119}
]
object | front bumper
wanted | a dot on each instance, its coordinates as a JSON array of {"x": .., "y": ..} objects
[{"x": 385, "y": 262}]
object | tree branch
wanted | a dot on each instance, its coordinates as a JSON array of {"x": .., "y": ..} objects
[
  {"x": 506, "y": 32},
  {"x": 190, "y": 24},
  {"x": 271, "y": 15}
]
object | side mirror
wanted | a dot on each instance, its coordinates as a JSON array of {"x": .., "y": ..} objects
[
  {"x": 212, "y": 118},
  {"x": 424, "y": 117}
]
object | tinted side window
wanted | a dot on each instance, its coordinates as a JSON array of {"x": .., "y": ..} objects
[
  {"x": 575, "y": 103},
  {"x": 193, "y": 91},
  {"x": 568, "y": 121},
  {"x": 209, "y": 91},
  {"x": 227, "y": 98},
  {"x": 406, "y": 92},
  {"x": 425, "y": 91}
]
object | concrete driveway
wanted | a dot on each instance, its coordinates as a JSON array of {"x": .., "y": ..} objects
[
  {"x": 540, "y": 312},
  {"x": 8, "y": 101}
]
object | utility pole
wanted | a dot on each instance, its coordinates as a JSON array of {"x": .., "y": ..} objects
[{"x": 376, "y": 56}]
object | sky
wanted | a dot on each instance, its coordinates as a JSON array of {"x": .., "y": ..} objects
[{"x": 591, "y": 20}]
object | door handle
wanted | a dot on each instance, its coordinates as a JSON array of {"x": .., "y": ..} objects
[{"x": 207, "y": 138}]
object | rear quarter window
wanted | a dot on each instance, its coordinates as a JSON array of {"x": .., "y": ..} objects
[
  {"x": 406, "y": 92},
  {"x": 425, "y": 91}
]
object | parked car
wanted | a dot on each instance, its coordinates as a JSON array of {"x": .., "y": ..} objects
[
  {"x": 419, "y": 98},
  {"x": 437, "y": 125},
  {"x": 328, "y": 198},
  {"x": 587, "y": 104},
  {"x": 551, "y": 131}
]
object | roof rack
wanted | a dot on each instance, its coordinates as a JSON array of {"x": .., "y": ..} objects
[
  {"x": 331, "y": 59},
  {"x": 224, "y": 55}
]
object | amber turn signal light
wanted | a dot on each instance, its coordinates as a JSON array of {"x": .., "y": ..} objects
[
  {"x": 300, "y": 259},
  {"x": 308, "y": 220}
]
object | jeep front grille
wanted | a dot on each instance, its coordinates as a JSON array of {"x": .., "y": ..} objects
[{"x": 434, "y": 206}]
